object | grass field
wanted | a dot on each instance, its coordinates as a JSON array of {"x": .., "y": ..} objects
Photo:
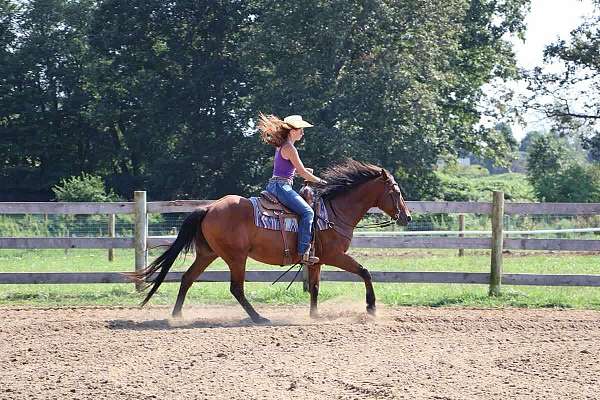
[{"x": 374, "y": 259}]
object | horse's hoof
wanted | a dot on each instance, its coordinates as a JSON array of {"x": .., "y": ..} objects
[
  {"x": 261, "y": 320},
  {"x": 372, "y": 311},
  {"x": 315, "y": 315},
  {"x": 177, "y": 315}
]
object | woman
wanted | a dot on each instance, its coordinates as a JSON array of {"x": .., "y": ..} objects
[{"x": 282, "y": 135}]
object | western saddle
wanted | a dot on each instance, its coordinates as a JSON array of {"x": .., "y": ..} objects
[{"x": 270, "y": 206}]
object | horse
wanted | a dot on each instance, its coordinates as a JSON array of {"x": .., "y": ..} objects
[{"x": 226, "y": 229}]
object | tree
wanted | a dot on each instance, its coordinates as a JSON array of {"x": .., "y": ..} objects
[
  {"x": 574, "y": 103},
  {"x": 578, "y": 183},
  {"x": 162, "y": 95},
  {"x": 529, "y": 138},
  {"x": 558, "y": 173},
  {"x": 503, "y": 130},
  {"x": 174, "y": 95},
  {"x": 394, "y": 83},
  {"x": 545, "y": 160},
  {"x": 46, "y": 129}
]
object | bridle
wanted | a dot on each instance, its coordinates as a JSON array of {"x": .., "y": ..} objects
[{"x": 392, "y": 188}]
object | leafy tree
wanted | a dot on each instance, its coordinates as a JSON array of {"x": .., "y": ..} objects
[
  {"x": 529, "y": 138},
  {"x": 395, "y": 83},
  {"x": 173, "y": 90},
  {"x": 574, "y": 91},
  {"x": 479, "y": 188},
  {"x": 546, "y": 155},
  {"x": 162, "y": 95},
  {"x": 557, "y": 174},
  {"x": 578, "y": 183},
  {"x": 46, "y": 129},
  {"x": 495, "y": 166},
  {"x": 546, "y": 158}
]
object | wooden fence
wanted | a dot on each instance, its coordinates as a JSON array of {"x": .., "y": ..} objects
[{"x": 141, "y": 241}]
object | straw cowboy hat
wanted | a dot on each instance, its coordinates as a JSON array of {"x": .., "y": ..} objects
[{"x": 296, "y": 121}]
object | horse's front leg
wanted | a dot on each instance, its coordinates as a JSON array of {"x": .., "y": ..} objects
[
  {"x": 314, "y": 277},
  {"x": 347, "y": 263}
]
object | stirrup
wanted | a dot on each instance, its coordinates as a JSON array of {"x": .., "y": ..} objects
[{"x": 308, "y": 259}]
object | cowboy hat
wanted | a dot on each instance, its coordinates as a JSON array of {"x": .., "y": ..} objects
[{"x": 296, "y": 121}]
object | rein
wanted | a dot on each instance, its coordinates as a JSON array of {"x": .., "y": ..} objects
[
  {"x": 366, "y": 226},
  {"x": 288, "y": 270}
]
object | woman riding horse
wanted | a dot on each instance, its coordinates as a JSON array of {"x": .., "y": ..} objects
[
  {"x": 226, "y": 229},
  {"x": 282, "y": 135}
]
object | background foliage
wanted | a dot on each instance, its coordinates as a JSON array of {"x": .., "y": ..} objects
[
  {"x": 83, "y": 188},
  {"x": 558, "y": 172},
  {"x": 570, "y": 93},
  {"x": 162, "y": 95}
]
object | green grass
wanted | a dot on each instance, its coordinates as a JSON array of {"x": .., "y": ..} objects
[
  {"x": 375, "y": 259},
  {"x": 82, "y": 260}
]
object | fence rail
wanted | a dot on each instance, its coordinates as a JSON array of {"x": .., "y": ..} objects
[
  {"x": 183, "y": 206},
  {"x": 141, "y": 242},
  {"x": 373, "y": 242},
  {"x": 334, "y": 276},
  {"x": 67, "y": 208}
]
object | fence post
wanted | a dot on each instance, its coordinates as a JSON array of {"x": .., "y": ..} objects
[
  {"x": 461, "y": 228},
  {"x": 497, "y": 243},
  {"x": 111, "y": 233},
  {"x": 140, "y": 233}
]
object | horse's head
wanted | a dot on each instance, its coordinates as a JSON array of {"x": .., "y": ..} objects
[{"x": 391, "y": 200}]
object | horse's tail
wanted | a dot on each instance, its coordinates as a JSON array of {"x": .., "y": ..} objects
[{"x": 189, "y": 232}]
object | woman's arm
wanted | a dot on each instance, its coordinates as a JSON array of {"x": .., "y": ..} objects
[{"x": 289, "y": 152}]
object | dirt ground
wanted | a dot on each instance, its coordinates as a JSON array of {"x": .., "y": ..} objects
[{"x": 215, "y": 353}]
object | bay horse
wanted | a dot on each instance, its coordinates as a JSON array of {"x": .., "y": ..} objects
[{"x": 226, "y": 229}]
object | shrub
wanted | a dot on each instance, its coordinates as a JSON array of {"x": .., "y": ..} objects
[
  {"x": 456, "y": 188},
  {"x": 85, "y": 187}
]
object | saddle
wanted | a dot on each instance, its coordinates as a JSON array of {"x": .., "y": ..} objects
[{"x": 270, "y": 206}]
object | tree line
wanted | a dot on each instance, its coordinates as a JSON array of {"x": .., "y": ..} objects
[{"x": 162, "y": 95}]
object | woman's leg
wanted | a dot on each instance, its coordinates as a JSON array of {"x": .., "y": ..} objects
[{"x": 294, "y": 202}]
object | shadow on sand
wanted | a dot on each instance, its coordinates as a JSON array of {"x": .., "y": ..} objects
[{"x": 172, "y": 324}]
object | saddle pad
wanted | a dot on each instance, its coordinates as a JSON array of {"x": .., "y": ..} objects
[{"x": 291, "y": 224}]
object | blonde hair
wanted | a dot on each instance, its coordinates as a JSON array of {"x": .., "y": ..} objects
[{"x": 273, "y": 131}]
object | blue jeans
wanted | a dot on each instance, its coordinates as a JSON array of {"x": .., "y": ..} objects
[{"x": 292, "y": 200}]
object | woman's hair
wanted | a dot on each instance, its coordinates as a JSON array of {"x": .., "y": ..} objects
[{"x": 273, "y": 131}]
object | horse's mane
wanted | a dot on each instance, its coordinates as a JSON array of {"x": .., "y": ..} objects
[{"x": 346, "y": 175}]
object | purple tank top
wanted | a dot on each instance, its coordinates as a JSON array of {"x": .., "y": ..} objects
[{"x": 282, "y": 167}]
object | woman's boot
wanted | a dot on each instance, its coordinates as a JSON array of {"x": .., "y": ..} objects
[{"x": 308, "y": 258}]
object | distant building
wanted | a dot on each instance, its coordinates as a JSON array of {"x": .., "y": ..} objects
[{"x": 464, "y": 161}]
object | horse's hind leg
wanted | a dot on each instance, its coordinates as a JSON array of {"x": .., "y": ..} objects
[
  {"x": 238, "y": 273},
  {"x": 202, "y": 261}
]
